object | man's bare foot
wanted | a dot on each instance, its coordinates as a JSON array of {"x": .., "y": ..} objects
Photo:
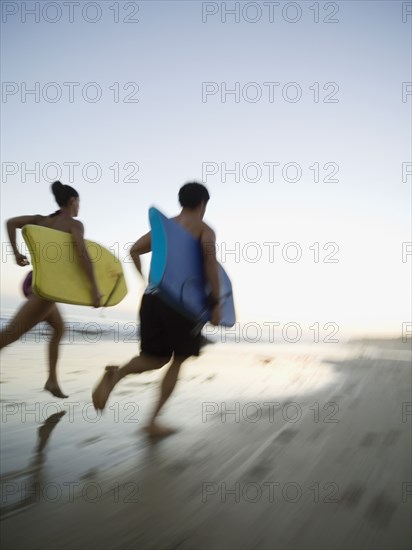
[
  {"x": 156, "y": 431},
  {"x": 102, "y": 391},
  {"x": 54, "y": 388}
]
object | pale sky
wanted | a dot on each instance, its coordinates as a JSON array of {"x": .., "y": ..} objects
[{"x": 352, "y": 118}]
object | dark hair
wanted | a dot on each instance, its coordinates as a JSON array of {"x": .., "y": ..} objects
[
  {"x": 192, "y": 194},
  {"x": 63, "y": 193}
]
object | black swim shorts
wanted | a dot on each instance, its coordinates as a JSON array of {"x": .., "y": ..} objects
[{"x": 164, "y": 331}]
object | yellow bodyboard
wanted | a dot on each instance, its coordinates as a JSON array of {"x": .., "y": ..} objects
[{"x": 58, "y": 274}]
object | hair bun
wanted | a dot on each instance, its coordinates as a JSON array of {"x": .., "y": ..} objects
[
  {"x": 57, "y": 186},
  {"x": 62, "y": 193},
  {"x": 59, "y": 192}
]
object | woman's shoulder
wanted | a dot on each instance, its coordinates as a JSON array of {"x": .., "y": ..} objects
[{"x": 38, "y": 219}]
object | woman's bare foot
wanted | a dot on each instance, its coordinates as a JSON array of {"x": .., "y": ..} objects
[
  {"x": 156, "y": 431},
  {"x": 54, "y": 388},
  {"x": 102, "y": 391},
  {"x": 46, "y": 429}
]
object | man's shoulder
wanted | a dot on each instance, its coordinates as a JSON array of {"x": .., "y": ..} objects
[{"x": 207, "y": 232}]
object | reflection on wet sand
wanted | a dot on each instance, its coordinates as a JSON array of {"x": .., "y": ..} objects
[
  {"x": 283, "y": 448},
  {"x": 29, "y": 492}
]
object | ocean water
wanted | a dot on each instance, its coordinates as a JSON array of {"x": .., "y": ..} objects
[
  {"x": 289, "y": 333},
  {"x": 82, "y": 330},
  {"x": 91, "y": 330}
]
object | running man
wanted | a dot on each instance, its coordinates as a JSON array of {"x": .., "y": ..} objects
[{"x": 164, "y": 332}]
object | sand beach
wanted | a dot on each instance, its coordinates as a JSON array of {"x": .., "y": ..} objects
[{"x": 279, "y": 446}]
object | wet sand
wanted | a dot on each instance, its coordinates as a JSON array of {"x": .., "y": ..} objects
[{"x": 279, "y": 446}]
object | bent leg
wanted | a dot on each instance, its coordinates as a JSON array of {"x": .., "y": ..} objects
[
  {"x": 54, "y": 319},
  {"x": 31, "y": 313},
  {"x": 141, "y": 363},
  {"x": 168, "y": 385}
]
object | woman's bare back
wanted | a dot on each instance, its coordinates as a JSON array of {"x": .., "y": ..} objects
[{"x": 60, "y": 222}]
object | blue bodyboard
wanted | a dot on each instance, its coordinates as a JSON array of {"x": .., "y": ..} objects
[{"x": 177, "y": 273}]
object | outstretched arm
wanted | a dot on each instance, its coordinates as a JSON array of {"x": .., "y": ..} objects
[
  {"x": 141, "y": 246},
  {"x": 77, "y": 231},
  {"x": 18, "y": 223}
]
